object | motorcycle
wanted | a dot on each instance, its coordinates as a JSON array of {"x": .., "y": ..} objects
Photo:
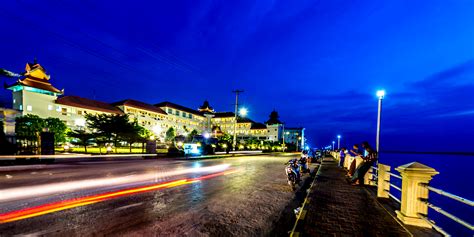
[
  {"x": 303, "y": 164},
  {"x": 292, "y": 173}
]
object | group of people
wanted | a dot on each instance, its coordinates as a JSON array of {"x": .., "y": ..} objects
[{"x": 355, "y": 174}]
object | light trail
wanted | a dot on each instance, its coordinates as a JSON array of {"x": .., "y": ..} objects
[
  {"x": 61, "y": 187},
  {"x": 87, "y": 200}
]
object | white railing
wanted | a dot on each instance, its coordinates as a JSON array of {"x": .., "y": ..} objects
[{"x": 415, "y": 189}]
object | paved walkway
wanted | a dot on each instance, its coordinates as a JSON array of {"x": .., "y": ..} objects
[{"x": 336, "y": 208}]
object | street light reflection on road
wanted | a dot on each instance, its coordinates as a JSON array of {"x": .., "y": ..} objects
[{"x": 77, "y": 202}]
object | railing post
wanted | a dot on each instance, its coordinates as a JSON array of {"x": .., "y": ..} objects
[
  {"x": 413, "y": 193},
  {"x": 383, "y": 186}
]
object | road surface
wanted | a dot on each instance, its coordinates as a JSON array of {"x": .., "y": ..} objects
[{"x": 242, "y": 196}]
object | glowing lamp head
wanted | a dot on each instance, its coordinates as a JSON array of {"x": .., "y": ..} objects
[
  {"x": 179, "y": 144},
  {"x": 381, "y": 94},
  {"x": 333, "y": 142},
  {"x": 207, "y": 135},
  {"x": 339, "y": 136},
  {"x": 243, "y": 112}
]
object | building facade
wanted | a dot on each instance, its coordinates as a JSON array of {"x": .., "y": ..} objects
[
  {"x": 295, "y": 136},
  {"x": 34, "y": 94}
]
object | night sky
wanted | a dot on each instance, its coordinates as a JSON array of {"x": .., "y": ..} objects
[{"x": 318, "y": 63}]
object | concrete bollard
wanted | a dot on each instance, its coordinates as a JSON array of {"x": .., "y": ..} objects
[
  {"x": 383, "y": 186},
  {"x": 413, "y": 175}
]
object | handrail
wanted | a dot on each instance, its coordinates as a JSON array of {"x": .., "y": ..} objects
[
  {"x": 437, "y": 228},
  {"x": 449, "y": 195},
  {"x": 395, "y": 187},
  {"x": 449, "y": 215},
  {"x": 395, "y": 198},
  {"x": 395, "y": 175}
]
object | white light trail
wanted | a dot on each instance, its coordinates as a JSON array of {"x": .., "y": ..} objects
[{"x": 62, "y": 187}]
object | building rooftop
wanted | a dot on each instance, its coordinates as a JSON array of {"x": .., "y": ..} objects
[
  {"x": 206, "y": 108},
  {"x": 84, "y": 103},
  {"x": 178, "y": 107},
  {"x": 35, "y": 76},
  {"x": 258, "y": 126},
  {"x": 139, "y": 105},
  {"x": 35, "y": 82},
  {"x": 224, "y": 115}
]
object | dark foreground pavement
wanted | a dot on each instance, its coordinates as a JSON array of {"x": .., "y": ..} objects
[
  {"x": 336, "y": 208},
  {"x": 248, "y": 200}
]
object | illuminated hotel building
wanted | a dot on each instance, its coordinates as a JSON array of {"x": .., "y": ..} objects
[{"x": 34, "y": 94}]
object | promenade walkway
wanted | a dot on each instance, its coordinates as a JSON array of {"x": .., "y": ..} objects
[{"x": 336, "y": 208}]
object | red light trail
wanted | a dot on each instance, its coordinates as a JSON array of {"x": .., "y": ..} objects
[{"x": 87, "y": 200}]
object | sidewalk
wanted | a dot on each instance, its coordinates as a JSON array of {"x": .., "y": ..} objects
[{"x": 336, "y": 208}]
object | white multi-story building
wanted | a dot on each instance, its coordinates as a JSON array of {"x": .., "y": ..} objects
[
  {"x": 295, "y": 136},
  {"x": 34, "y": 94}
]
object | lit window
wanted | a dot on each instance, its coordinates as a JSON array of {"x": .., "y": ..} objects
[
  {"x": 29, "y": 108},
  {"x": 14, "y": 101},
  {"x": 21, "y": 107},
  {"x": 58, "y": 108},
  {"x": 50, "y": 107}
]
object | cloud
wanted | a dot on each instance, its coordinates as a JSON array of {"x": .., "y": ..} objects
[{"x": 460, "y": 73}]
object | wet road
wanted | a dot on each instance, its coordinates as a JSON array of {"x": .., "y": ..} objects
[{"x": 242, "y": 196}]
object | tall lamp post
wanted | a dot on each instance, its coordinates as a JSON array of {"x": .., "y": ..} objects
[
  {"x": 380, "y": 94},
  {"x": 338, "y": 142},
  {"x": 237, "y": 92},
  {"x": 333, "y": 145}
]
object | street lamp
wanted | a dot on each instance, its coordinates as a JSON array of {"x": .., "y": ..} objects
[
  {"x": 243, "y": 112},
  {"x": 333, "y": 145},
  {"x": 380, "y": 94},
  {"x": 338, "y": 141}
]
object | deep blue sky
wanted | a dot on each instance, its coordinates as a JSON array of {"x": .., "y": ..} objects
[{"x": 318, "y": 63}]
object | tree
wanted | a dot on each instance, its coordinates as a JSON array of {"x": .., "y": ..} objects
[
  {"x": 81, "y": 137},
  {"x": 227, "y": 140},
  {"x": 133, "y": 133},
  {"x": 109, "y": 127},
  {"x": 57, "y": 127},
  {"x": 170, "y": 134},
  {"x": 28, "y": 127},
  {"x": 193, "y": 133}
]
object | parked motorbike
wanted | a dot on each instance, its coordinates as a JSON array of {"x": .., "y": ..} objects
[
  {"x": 303, "y": 164},
  {"x": 293, "y": 173}
]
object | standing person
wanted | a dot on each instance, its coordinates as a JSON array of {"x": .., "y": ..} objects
[
  {"x": 342, "y": 156},
  {"x": 369, "y": 160},
  {"x": 355, "y": 152}
]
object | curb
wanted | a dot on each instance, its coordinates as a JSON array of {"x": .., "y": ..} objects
[{"x": 303, "y": 212}]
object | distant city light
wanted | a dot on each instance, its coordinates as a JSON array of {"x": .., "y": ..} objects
[
  {"x": 243, "y": 112},
  {"x": 381, "y": 94}
]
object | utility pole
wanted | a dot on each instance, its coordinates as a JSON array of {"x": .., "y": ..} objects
[
  {"x": 284, "y": 146},
  {"x": 237, "y": 92}
]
